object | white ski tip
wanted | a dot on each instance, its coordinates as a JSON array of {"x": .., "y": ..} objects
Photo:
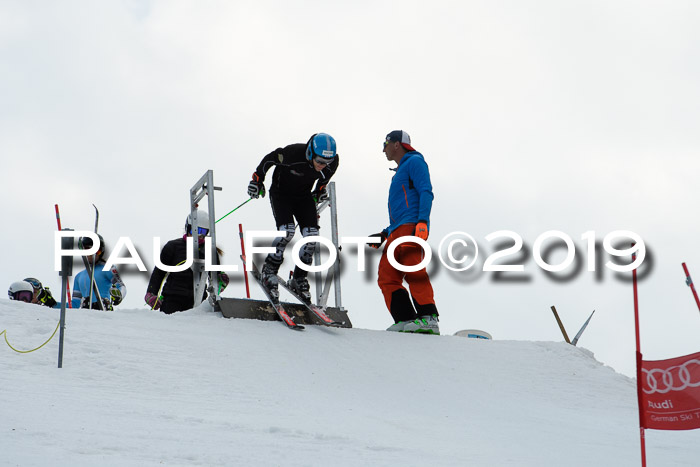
[{"x": 474, "y": 334}]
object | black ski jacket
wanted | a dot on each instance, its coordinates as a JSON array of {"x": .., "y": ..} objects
[
  {"x": 294, "y": 175},
  {"x": 178, "y": 283}
]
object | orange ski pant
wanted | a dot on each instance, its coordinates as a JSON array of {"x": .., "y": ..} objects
[{"x": 390, "y": 280}]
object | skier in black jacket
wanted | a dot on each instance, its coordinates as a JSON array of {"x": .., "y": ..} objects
[
  {"x": 301, "y": 174},
  {"x": 178, "y": 291}
]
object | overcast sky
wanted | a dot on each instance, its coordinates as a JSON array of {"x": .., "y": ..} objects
[{"x": 575, "y": 116}]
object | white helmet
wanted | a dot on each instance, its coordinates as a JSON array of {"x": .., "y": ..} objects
[
  {"x": 21, "y": 291},
  {"x": 202, "y": 221}
]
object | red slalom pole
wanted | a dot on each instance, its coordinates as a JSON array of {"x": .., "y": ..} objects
[
  {"x": 58, "y": 221},
  {"x": 245, "y": 272},
  {"x": 640, "y": 402},
  {"x": 689, "y": 281}
]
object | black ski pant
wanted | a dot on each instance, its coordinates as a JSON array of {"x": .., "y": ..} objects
[
  {"x": 286, "y": 209},
  {"x": 173, "y": 303}
]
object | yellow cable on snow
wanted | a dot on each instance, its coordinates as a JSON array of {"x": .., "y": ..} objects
[{"x": 28, "y": 351}]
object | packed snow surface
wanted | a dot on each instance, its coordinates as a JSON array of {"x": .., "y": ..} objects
[{"x": 139, "y": 388}]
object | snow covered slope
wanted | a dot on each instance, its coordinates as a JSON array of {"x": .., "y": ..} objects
[{"x": 139, "y": 388}]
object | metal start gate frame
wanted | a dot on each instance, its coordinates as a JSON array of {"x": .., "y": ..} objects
[
  {"x": 333, "y": 275},
  {"x": 205, "y": 187}
]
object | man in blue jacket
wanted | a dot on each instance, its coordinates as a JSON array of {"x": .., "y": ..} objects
[{"x": 410, "y": 202}]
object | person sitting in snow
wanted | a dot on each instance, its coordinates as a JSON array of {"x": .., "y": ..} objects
[
  {"x": 110, "y": 286},
  {"x": 42, "y": 295},
  {"x": 178, "y": 291},
  {"x": 21, "y": 291},
  {"x": 30, "y": 290}
]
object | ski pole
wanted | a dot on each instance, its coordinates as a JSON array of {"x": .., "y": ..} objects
[
  {"x": 158, "y": 295},
  {"x": 58, "y": 221},
  {"x": 234, "y": 209},
  {"x": 689, "y": 281},
  {"x": 162, "y": 283}
]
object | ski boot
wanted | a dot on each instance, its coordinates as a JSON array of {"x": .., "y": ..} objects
[
  {"x": 300, "y": 286},
  {"x": 398, "y": 327},
  {"x": 424, "y": 325},
  {"x": 269, "y": 280}
]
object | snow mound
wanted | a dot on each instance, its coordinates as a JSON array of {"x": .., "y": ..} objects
[{"x": 141, "y": 388}]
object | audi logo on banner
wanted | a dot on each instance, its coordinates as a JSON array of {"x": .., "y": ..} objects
[
  {"x": 671, "y": 393},
  {"x": 675, "y": 378}
]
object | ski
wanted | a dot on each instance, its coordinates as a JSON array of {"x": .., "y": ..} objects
[
  {"x": 316, "y": 311},
  {"x": 92, "y": 270},
  {"x": 580, "y": 331},
  {"x": 281, "y": 312},
  {"x": 94, "y": 288}
]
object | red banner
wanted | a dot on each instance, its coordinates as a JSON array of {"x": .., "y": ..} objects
[{"x": 671, "y": 393}]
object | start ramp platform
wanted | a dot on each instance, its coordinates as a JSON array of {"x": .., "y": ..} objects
[{"x": 247, "y": 308}]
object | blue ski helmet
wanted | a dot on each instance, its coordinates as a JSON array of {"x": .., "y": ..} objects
[
  {"x": 320, "y": 145},
  {"x": 36, "y": 283}
]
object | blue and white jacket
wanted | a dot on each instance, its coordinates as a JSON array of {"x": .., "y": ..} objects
[
  {"x": 103, "y": 279},
  {"x": 411, "y": 193}
]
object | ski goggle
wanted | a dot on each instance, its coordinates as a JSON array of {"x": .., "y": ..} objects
[
  {"x": 322, "y": 160},
  {"x": 201, "y": 231},
  {"x": 35, "y": 283},
  {"x": 22, "y": 296}
]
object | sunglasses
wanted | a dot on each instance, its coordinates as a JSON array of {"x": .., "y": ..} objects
[
  {"x": 321, "y": 161},
  {"x": 22, "y": 296}
]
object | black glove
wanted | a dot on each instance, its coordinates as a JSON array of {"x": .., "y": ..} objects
[
  {"x": 256, "y": 189},
  {"x": 320, "y": 194},
  {"x": 107, "y": 304},
  {"x": 45, "y": 298},
  {"x": 381, "y": 236}
]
